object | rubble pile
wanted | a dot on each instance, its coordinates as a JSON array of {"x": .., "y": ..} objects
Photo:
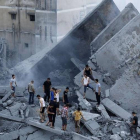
[{"x": 115, "y": 61}]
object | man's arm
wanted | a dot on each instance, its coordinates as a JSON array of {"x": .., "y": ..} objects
[
  {"x": 59, "y": 90},
  {"x": 15, "y": 83},
  {"x": 11, "y": 85},
  {"x": 88, "y": 80},
  {"x": 63, "y": 98},
  {"x": 99, "y": 90},
  {"x": 33, "y": 89},
  {"x": 82, "y": 81}
]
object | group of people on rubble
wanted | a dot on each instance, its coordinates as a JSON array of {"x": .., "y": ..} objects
[{"x": 51, "y": 96}]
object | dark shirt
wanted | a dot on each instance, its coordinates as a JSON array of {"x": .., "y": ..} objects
[
  {"x": 51, "y": 111},
  {"x": 47, "y": 85},
  {"x": 88, "y": 72},
  {"x": 65, "y": 97},
  {"x": 136, "y": 120},
  {"x": 54, "y": 104}
]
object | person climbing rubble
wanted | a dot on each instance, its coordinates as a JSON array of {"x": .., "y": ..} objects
[
  {"x": 78, "y": 114},
  {"x": 98, "y": 91},
  {"x": 31, "y": 91},
  {"x": 85, "y": 81},
  {"x": 134, "y": 124},
  {"x": 42, "y": 108},
  {"x": 13, "y": 84},
  {"x": 50, "y": 112},
  {"x": 57, "y": 92},
  {"x": 64, "y": 116},
  {"x": 88, "y": 72},
  {"x": 65, "y": 96},
  {"x": 46, "y": 88}
]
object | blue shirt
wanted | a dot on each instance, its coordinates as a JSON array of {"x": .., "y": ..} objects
[{"x": 52, "y": 95}]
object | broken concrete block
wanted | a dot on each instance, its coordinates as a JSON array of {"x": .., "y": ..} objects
[
  {"x": 107, "y": 93},
  {"x": 6, "y": 96},
  {"x": 77, "y": 136},
  {"x": 92, "y": 125},
  {"x": 94, "y": 138},
  {"x": 114, "y": 108},
  {"x": 103, "y": 111},
  {"x": 21, "y": 113},
  {"x": 4, "y": 104},
  {"x": 116, "y": 130},
  {"x": 9, "y": 102},
  {"x": 123, "y": 134},
  {"x": 115, "y": 137},
  {"x": 23, "y": 106},
  {"x": 27, "y": 112}
]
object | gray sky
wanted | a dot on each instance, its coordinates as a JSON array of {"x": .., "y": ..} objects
[{"x": 122, "y": 3}]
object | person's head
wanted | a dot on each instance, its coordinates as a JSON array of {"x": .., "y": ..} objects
[
  {"x": 66, "y": 105},
  {"x": 53, "y": 89},
  {"x": 96, "y": 80},
  {"x": 38, "y": 96},
  {"x": 48, "y": 79},
  {"x": 13, "y": 76},
  {"x": 87, "y": 66},
  {"x": 85, "y": 75},
  {"x": 134, "y": 113},
  {"x": 78, "y": 109},
  {"x": 67, "y": 89},
  {"x": 32, "y": 81}
]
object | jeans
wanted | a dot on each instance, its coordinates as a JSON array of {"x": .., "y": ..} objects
[
  {"x": 85, "y": 88},
  {"x": 98, "y": 98},
  {"x": 53, "y": 119},
  {"x": 31, "y": 97}
]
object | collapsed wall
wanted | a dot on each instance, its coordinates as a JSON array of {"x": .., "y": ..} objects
[
  {"x": 120, "y": 49},
  {"x": 115, "y": 26},
  {"x": 57, "y": 62}
]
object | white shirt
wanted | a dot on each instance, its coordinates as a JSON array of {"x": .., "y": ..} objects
[
  {"x": 13, "y": 81},
  {"x": 97, "y": 86},
  {"x": 42, "y": 100},
  {"x": 57, "y": 96},
  {"x": 86, "y": 80}
]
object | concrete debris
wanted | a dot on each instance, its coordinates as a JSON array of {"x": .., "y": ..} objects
[
  {"x": 103, "y": 111},
  {"x": 7, "y": 96},
  {"x": 92, "y": 125},
  {"x": 114, "y": 108},
  {"x": 107, "y": 93},
  {"x": 115, "y": 137}
]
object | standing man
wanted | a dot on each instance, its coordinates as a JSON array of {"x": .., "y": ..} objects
[
  {"x": 98, "y": 91},
  {"x": 64, "y": 116},
  {"x": 31, "y": 91},
  {"x": 85, "y": 82},
  {"x": 42, "y": 108},
  {"x": 134, "y": 124},
  {"x": 65, "y": 96},
  {"x": 46, "y": 88},
  {"x": 88, "y": 72},
  {"x": 13, "y": 84},
  {"x": 78, "y": 115},
  {"x": 52, "y": 94}
]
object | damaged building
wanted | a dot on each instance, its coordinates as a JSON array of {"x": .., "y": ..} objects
[{"x": 108, "y": 41}]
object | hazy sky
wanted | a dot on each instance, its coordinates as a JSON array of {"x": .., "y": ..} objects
[{"x": 122, "y": 3}]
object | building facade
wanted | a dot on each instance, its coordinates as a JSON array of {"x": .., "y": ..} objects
[{"x": 31, "y": 25}]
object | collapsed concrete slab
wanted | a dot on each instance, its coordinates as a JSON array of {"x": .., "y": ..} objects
[
  {"x": 120, "y": 50},
  {"x": 6, "y": 96},
  {"x": 83, "y": 102},
  {"x": 75, "y": 44},
  {"x": 115, "y": 26},
  {"x": 103, "y": 111},
  {"x": 37, "y": 124},
  {"x": 117, "y": 110},
  {"x": 92, "y": 125}
]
